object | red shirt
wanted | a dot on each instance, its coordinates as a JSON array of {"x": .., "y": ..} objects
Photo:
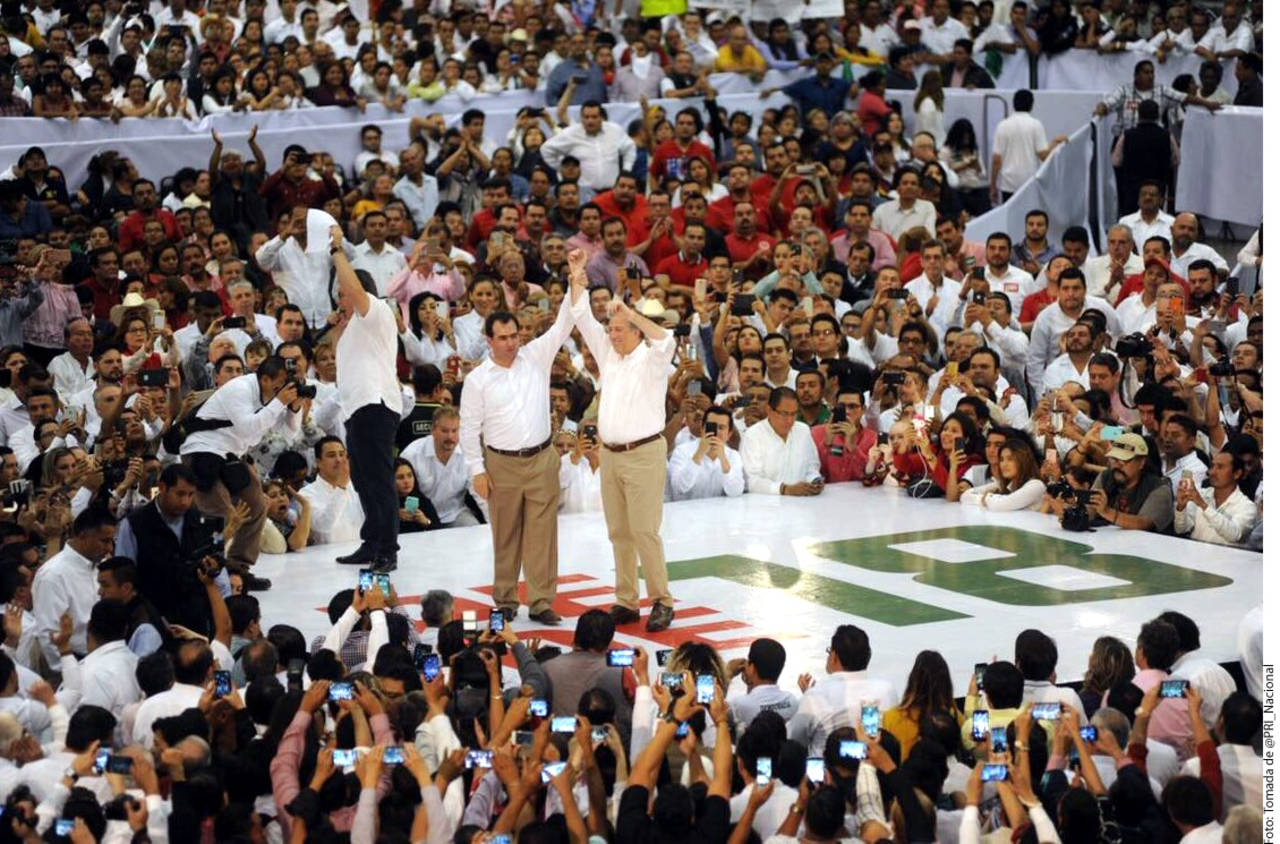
[
  {"x": 1133, "y": 287},
  {"x": 637, "y": 219},
  {"x": 282, "y": 194},
  {"x": 742, "y": 249},
  {"x": 131, "y": 228},
  {"x": 720, "y": 212},
  {"x": 680, "y": 271},
  {"x": 671, "y": 161},
  {"x": 662, "y": 247},
  {"x": 103, "y": 298},
  {"x": 482, "y": 225},
  {"x": 1034, "y": 304},
  {"x": 872, "y": 112}
]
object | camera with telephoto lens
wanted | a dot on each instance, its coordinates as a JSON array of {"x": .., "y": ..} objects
[
  {"x": 1222, "y": 369},
  {"x": 1136, "y": 345},
  {"x": 1076, "y": 517},
  {"x": 1060, "y": 489},
  {"x": 305, "y": 390}
]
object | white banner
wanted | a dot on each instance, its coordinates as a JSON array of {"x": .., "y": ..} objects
[
  {"x": 1220, "y": 174},
  {"x": 1086, "y": 70}
]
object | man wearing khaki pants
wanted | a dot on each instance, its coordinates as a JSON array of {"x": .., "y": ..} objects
[
  {"x": 507, "y": 401},
  {"x": 634, "y": 358}
]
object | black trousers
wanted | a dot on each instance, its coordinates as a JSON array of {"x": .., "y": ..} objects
[{"x": 371, "y": 440}]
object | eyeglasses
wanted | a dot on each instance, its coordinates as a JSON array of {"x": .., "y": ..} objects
[{"x": 824, "y": 333}]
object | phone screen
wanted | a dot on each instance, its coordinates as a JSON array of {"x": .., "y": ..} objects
[
  {"x": 479, "y": 759},
  {"x": 853, "y": 750},
  {"x": 995, "y": 773},
  {"x": 344, "y": 757},
  {"x": 815, "y": 770},
  {"x": 999, "y": 740},
  {"x": 564, "y": 724},
  {"x": 1089, "y": 733},
  {"x": 496, "y": 621},
  {"x": 622, "y": 657},
  {"x": 1173, "y": 688},
  {"x": 764, "y": 771},
  {"x": 706, "y": 688},
  {"x": 981, "y": 720},
  {"x": 221, "y": 683},
  {"x": 342, "y": 691},
  {"x": 393, "y": 756},
  {"x": 1046, "y": 711},
  {"x": 538, "y": 708},
  {"x": 552, "y": 770},
  {"x": 430, "y": 667},
  {"x": 871, "y": 719}
]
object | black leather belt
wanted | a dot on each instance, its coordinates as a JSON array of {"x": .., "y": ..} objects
[
  {"x": 632, "y": 446},
  {"x": 524, "y": 452}
]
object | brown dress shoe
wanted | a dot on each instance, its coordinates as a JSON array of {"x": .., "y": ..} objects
[
  {"x": 660, "y": 618},
  {"x": 547, "y": 616}
]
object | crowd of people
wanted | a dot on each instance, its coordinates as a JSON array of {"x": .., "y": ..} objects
[{"x": 811, "y": 313}]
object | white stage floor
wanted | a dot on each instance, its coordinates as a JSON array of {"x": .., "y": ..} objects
[{"x": 913, "y": 574}]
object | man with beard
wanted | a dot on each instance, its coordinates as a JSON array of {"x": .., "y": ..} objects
[
  {"x": 1129, "y": 495},
  {"x": 1186, "y": 249}
]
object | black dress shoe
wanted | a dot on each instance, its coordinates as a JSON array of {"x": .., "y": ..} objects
[
  {"x": 384, "y": 564},
  {"x": 623, "y": 615},
  {"x": 509, "y": 613},
  {"x": 660, "y": 618},
  {"x": 253, "y": 583},
  {"x": 362, "y": 556},
  {"x": 547, "y": 616}
]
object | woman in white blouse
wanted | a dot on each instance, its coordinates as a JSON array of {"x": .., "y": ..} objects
[
  {"x": 430, "y": 337},
  {"x": 1015, "y": 486}
]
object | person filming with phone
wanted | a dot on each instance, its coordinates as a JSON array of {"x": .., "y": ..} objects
[
  {"x": 1131, "y": 493},
  {"x": 706, "y": 467}
]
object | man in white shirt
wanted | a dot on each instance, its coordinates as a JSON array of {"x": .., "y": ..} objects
[
  {"x": 1186, "y": 250},
  {"x": 370, "y": 401},
  {"x": 760, "y": 671},
  {"x": 1149, "y": 220},
  {"x": 192, "y": 670},
  {"x": 836, "y": 700},
  {"x": 507, "y": 401},
  {"x": 778, "y": 454},
  {"x": 301, "y": 268},
  {"x": 442, "y": 470},
  {"x": 287, "y": 24},
  {"x": 374, "y": 255},
  {"x": 1221, "y": 514},
  {"x": 419, "y": 192},
  {"x": 1057, "y": 318},
  {"x": 777, "y": 362},
  {"x": 938, "y": 32},
  {"x": 73, "y": 371},
  {"x": 936, "y": 293},
  {"x": 1019, "y": 147},
  {"x": 67, "y": 582},
  {"x": 1072, "y": 366},
  {"x": 107, "y": 671},
  {"x": 1177, "y": 451},
  {"x": 604, "y": 149},
  {"x": 1242, "y": 768},
  {"x": 336, "y": 514},
  {"x": 1002, "y": 276},
  {"x": 707, "y": 467},
  {"x": 1104, "y": 274},
  {"x": 256, "y": 325},
  {"x": 634, "y": 357},
  {"x": 908, "y": 210},
  {"x": 233, "y": 421}
]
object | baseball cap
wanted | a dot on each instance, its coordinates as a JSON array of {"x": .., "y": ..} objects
[{"x": 1127, "y": 447}]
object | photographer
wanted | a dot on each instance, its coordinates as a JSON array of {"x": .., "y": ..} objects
[
  {"x": 1132, "y": 494},
  {"x": 228, "y": 425},
  {"x": 580, "y": 473}
]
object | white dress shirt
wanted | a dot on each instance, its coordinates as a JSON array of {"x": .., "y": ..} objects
[
  {"x": 468, "y": 330},
  {"x": 633, "y": 388},
  {"x": 1014, "y": 282},
  {"x": 835, "y": 701},
  {"x": 239, "y": 401},
  {"x": 303, "y": 275},
  {"x": 444, "y": 484},
  {"x": 67, "y": 582},
  {"x": 770, "y": 461},
  {"x": 31, "y": 714},
  {"x": 1097, "y": 273},
  {"x": 1241, "y": 776},
  {"x": 186, "y": 339},
  {"x": 1049, "y": 326},
  {"x": 382, "y": 266},
  {"x": 706, "y": 479},
  {"x": 69, "y": 377},
  {"x": 421, "y": 200},
  {"x": 176, "y": 699},
  {"x": 1061, "y": 372},
  {"x": 1214, "y": 682},
  {"x": 1135, "y": 315},
  {"x": 107, "y": 677},
  {"x": 426, "y": 349},
  {"x": 579, "y": 486},
  {"x": 336, "y": 514},
  {"x": 940, "y": 38},
  {"x": 1225, "y": 525},
  {"x": 366, "y": 356},
  {"x": 12, "y": 417},
  {"x": 1181, "y": 264},
  {"x": 892, "y": 219},
  {"x": 1042, "y": 691},
  {"x": 948, "y": 293},
  {"x": 1161, "y": 226},
  {"x": 510, "y": 406},
  {"x": 602, "y": 155}
]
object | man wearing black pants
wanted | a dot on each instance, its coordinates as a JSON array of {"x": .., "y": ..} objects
[{"x": 370, "y": 397}]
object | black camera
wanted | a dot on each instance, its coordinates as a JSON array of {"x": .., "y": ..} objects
[
  {"x": 1076, "y": 517},
  {"x": 591, "y": 432},
  {"x": 234, "y": 322},
  {"x": 1222, "y": 369},
  {"x": 305, "y": 391},
  {"x": 682, "y": 330},
  {"x": 1060, "y": 489},
  {"x": 897, "y": 293},
  {"x": 113, "y": 473},
  {"x": 153, "y": 378},
  {"x": 894, "y": 379},
  {"x": 1136, "y": 345}
]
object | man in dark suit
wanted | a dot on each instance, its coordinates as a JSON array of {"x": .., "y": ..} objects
[{"x": 961, "y": 72}]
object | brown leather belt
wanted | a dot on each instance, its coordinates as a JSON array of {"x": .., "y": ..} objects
[
  {"x": 524, "y": 452},
  {"x": 632, "y": 446}
]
